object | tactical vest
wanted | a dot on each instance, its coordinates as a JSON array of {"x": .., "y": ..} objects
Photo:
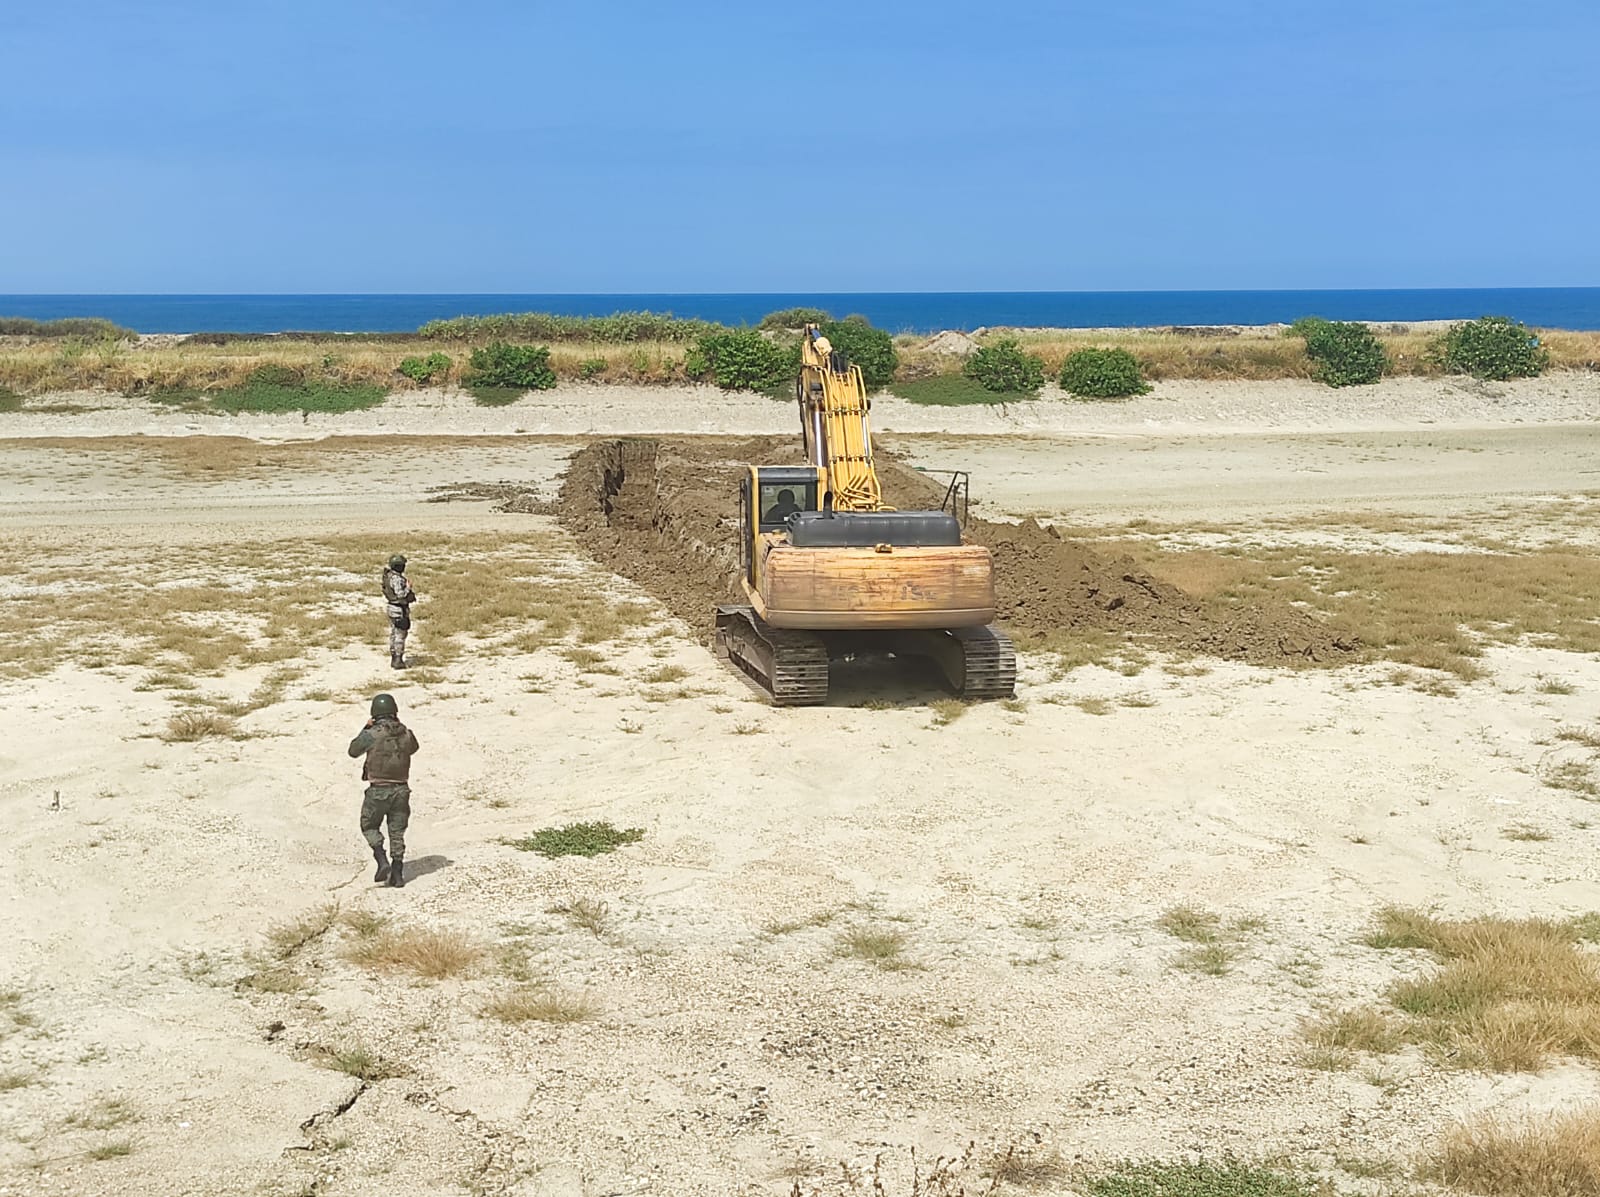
[{"x": 387, "y": 759}]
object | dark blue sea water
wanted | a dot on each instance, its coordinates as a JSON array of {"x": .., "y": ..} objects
[{"x": 1543, "y": 307}]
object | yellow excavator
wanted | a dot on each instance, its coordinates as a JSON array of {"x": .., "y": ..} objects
[{"x": 831, "y": 571}]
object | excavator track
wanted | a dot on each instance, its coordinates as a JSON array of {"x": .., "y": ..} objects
[
  {"x": 790, "y": 667},
  {"x": 989, "y": 663}
]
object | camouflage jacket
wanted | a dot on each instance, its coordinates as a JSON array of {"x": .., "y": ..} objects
[
  {"x": 388, "y": 746},
  {"x": 397, "y": 593}
]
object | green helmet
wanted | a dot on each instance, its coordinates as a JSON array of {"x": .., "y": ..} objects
[
  {"x": 384, "y": 706},
  {"x": 397, "y": 563}
]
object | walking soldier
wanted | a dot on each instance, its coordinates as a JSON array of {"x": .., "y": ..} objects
[{"x": 388, "y": 746}]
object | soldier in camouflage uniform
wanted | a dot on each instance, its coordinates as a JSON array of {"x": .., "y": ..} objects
[
  {"x": 399, "y": 596},
  {"x": 388, "y": 746}
]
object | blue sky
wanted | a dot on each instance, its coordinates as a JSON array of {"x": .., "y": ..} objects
[{"x": 480, "y": 145}]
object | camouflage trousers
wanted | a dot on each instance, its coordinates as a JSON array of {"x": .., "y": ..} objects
[
  {"x": 392, "y": 803},
  {"x": 397, "y": 638}
]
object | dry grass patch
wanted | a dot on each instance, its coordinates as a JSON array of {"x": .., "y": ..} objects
[
  {"x": 361, "y": 1062},
  {"x": 587, "y": 914},
  {"x": 1508, "y": 995},
  {"x": 364, "y": 923},
  {"x": 102, "y": 1114},
  {"x": 1579, "y": 735},
  {"x": 425, "y": 951},
  {"x": 485, "y": 594},
  {"x": 946, "y": 711},
  {"x": 542, "y": 1003},
  {"x": 777, "y": 927},
  {"x": 1575, "y": 777},
  {"x": 1214, "y": 945},
  {"x": 16, "y": 1078},
  {"x": 274, "y": 979},
  {"x": 186, "y": 727},
  {"x": 287, "y": 937},
  {"x": 1433, "y": 611},
  {"x": 1556, "y": 1156},
  {"x": 882, "y": 946},
  {"x": 111, "y": 1149},
  {"x": 1044, "y": 1168}
]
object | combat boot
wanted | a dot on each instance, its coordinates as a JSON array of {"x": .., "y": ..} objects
[
  {"x": 382, "y": 874},
  {"x": 397, "y": 661},
  {"x": 397, "y": 876}
]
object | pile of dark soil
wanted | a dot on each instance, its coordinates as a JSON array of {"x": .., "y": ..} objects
[{"x": 664, "y": 513}]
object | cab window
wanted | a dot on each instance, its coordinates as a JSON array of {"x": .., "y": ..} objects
[{"x": 779, "y": 500}]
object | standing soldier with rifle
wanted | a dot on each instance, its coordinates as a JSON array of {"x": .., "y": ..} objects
[
  {"x": 399, "y": 596},
  {"x": 388, "y": 746}
]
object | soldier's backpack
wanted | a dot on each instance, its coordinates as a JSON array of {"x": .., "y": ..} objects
[{"x": 387, "y": 759}]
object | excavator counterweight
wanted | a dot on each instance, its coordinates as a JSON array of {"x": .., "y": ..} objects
[{"x": 831, "y": 571}]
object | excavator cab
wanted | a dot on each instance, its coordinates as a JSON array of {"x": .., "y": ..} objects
[{"x": 768, "y": 497}]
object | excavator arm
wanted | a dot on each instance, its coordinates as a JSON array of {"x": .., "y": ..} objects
[{"x": 834, "y": 414}]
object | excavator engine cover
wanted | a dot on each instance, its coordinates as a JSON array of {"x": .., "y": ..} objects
[{"x": 868, "y": 529}]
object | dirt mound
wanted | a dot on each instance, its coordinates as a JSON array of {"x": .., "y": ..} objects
[{"x": 664, "y": 513}]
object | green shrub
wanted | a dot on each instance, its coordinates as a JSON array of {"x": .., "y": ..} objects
[
  {"x": 870, "y": 348},
  {"x": 740, "y": 359},
  {"x": 615, "y": 329},
  {"x": 793, "y": 318},
  {"x": 1004, "y": 366},
  {"x": 1344, "y": 354},
  {"x": 1494, "y": 347},
  {"x": 10, "y": 400},
  {"x": 1305, "y": 326},
  {"x": 499, "y": 366},
  {"x": 1102, "y": 374},
  {"x": 592, "y": 367},
  {"x": 423, "y": 370}
]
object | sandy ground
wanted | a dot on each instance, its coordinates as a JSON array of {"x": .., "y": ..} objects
[
  {"x": 1024, "y": 854},
  {"x": 579, "y": 409}
]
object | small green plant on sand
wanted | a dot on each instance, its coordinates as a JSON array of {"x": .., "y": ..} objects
[
  {"x": 1228, "y": 1178},
  {"x": 423, "y": 370},
  {"x": 577, "y": 839}
]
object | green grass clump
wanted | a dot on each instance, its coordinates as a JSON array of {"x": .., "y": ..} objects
[
  {"x": 10, "y": 400},
  {"x": 577, "y": 839},
  {"x": 955, "y": 390},
  {"x": 277, "y": 389},
  {"x": 619, "y": 328},
  {"x": 88, "y": 328},
  {"x": 1226, "y": 1179}
]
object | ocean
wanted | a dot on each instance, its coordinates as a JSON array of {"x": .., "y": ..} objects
[{"x": 919, "y": 312}]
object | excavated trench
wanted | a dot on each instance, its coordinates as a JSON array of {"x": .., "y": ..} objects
[{"x": 664, "y": 513}]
